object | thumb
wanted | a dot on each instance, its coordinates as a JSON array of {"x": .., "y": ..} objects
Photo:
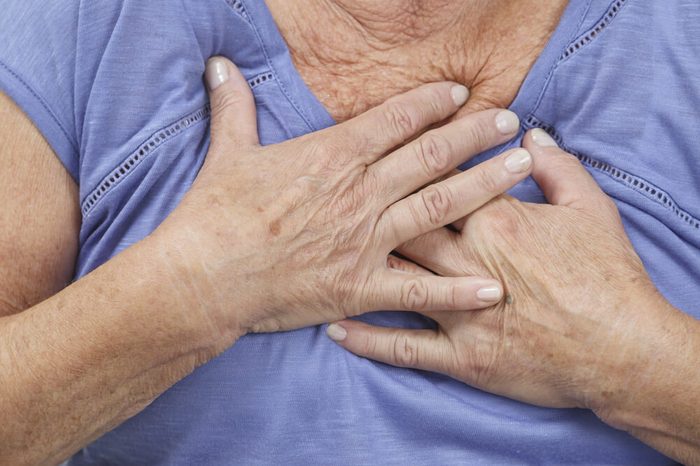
[
  {"x": 559, "y": 174},
  {"x": 233, "y": 115}
]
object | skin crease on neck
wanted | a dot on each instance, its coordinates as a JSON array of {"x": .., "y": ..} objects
[{"x": 355, "y": 54}]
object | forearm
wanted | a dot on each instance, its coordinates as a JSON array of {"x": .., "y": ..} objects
[
  {"x": 78, "y": 364},
  {"x": 658, "y": 400}
]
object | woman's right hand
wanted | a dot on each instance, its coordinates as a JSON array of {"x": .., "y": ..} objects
[{"x": 295, "y": 234}]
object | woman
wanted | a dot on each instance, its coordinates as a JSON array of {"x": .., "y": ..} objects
[{"x": 126, "y": 80}]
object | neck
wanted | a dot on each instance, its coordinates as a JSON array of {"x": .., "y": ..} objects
[{"x": 354, "y": 54}]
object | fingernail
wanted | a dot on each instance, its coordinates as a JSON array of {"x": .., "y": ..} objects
[
  {"x": 216, "y": 73},
  {"x": 519, "y": 161},
  {"x": 507, "y": 122},
  {"x": 336, "y": 333},
  {"x": 490, "y": 294},
  {"x": 542, "y": 139},
  {"x": 460, "y": 94}
]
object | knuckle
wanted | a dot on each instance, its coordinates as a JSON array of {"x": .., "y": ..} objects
[
  {"x": 437, "y": 202},
  {"x": 479, "y": 134},
  {"x": 349, "y": 204},
  {"x": 404, "y": 351},
  {"x": 433, "y": 151},
  {"x": 395, "y": 263},
  {"x": 224, "y": 102},
  {"x": 415, "y": 295},
  {"x": 355, "y": 135},
  {"x": 369, "y": 345},
  {"x": 451, "y": 299},
  {"x": 267, "y": 325},
  {"x": 437, "y": 107},
  {"x": 494, "y": 220},
  {"x": 368, "y": 185},
  {"x": 487, "y": 180},
  {"x": 401, "y": 118},
  {"x": 329, "y": 154},
  {"x": 436, "y": 101}
]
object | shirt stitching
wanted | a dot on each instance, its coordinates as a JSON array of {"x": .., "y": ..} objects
[
  {"x": 627, "y": 179},
  {"x": 143, "y": 151},
  {"x": 273, "y": 69},
  {"x": 238, "y": 7},
  {"x": 150, "y": 145},
  {"x": 550, "y": 74},
  {"x": 43, "y": 104},
  {"x": 589, "y": 36}
]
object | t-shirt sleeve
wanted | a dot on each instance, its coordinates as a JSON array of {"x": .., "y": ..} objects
[{"x": 37, "y": 69}]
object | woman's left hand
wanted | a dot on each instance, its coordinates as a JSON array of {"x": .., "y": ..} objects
[{"x": 581, "y": 319}]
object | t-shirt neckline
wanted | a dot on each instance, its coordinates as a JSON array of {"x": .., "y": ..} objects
[
  {"x": 315, "y": 114},
  {"x": 532, "y": 89}
]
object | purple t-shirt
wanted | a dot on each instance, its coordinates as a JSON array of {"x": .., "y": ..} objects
[{"x": 116, "y": 88}]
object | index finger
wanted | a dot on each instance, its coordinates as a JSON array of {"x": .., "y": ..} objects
[{"x": 402, "y": 117}]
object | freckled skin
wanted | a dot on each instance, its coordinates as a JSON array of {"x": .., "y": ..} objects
[
  {"x": 275, "y": 227},
  {"x": 70, "y": 373},
  {"x": 374, "y": 49},
  {"x": 40, "y": 247},
  {"x": 614, "y": 345},
  {"x": 99, "y": 351}
]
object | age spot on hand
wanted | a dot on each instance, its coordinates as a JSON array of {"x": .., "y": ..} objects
[{"x": 275, "y": 228}]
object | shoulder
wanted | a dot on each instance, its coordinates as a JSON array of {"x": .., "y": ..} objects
[{"x": 37, "y": 63}]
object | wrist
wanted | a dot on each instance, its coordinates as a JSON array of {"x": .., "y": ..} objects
[
  {"x": 645, "y": 364},
  {"x": 213, "y": 289}
]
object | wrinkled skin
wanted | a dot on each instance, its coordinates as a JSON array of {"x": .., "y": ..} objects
[
  {"x": 579, "y": 305},
  {"x": 267, "y": 238},
  {"x": 298, "y": 233}
]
